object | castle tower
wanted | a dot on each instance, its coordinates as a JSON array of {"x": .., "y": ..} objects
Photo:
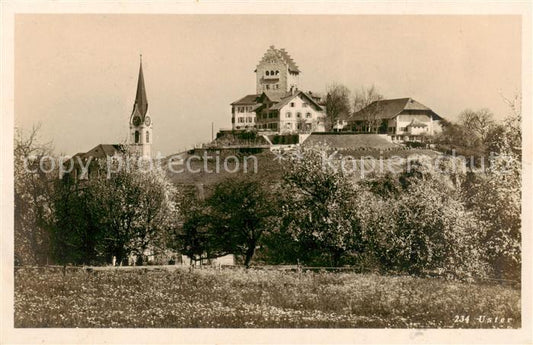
[
  {"x": 140, "y": 121},
  {"x": 276, "y": 74}
]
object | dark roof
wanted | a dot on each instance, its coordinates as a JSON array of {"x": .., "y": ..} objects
[
  {"x": 281, "y": 54},
  {"x": 390, "y": 108},
  {"x": 141, "y": 101},
  {"x": 103, "y": 151},
  {"x": 248, "y": 99},
  {"x": 258, "y": 101},
  {"x": 284, "y": 101}
]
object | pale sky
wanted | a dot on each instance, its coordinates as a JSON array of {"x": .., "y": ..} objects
[{"x": 77, "y": 74}]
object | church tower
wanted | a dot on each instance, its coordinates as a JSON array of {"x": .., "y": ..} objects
[
  {"x": 140, "y": 138},
  {"x": 276, "y": 74}
]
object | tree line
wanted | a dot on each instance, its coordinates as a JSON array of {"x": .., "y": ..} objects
[{"x": 417, "y": 221}]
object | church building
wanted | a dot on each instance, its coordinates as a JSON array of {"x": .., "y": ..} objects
[
  {"x": 140, "y": 134},
  {"x": 278, "y": 106}
]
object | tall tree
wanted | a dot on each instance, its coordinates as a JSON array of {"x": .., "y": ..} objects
[
  {"x": 495, "y": 196},
  {"x": 74, "y": 231},
  {"x": 318, "y": 206},
  {"x": 477, "y": 124},
  {"x": 34, "y": 172},
  {"x": 337, "y": 105},
  {"x": 192, "y": 236},
  {"x": 135, "y": 209},
  {"x": 362, "y": 99},
  {"x": 241, "y": 211}
]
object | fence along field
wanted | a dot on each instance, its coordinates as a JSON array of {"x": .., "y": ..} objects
[{"x": 180, "y": 297}]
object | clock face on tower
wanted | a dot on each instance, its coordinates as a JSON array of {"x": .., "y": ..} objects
[
  {"x": 147, "y": 121},
  {"x": 136, "y": 121}
]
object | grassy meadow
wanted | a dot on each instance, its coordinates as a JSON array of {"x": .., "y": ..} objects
[{"x": 238, "y": 298}]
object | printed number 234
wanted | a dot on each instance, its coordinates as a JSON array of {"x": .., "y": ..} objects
[{"x": 461, "y": 319}]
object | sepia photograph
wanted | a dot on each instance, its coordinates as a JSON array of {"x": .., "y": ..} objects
[{"x": 282, "y": 170}]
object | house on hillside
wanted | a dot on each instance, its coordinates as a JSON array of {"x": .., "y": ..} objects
[
  {"x": 243, "y": 112},
  {"x": 296, "y": 112},
  {"x": 278, "y": 106},
  {"x": 403, "y": 119}
]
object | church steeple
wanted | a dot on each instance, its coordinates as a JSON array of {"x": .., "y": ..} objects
[
  {"x": 140, "y": 121},
  {"x": 141, "y": 102}
]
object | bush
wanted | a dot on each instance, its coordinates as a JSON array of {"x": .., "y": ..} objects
[
  {"x": 422, "y": 226},
  {"x": 415, "y": 144}
]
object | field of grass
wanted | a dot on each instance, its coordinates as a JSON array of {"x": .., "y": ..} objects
[{"x": 236, "y": 298}]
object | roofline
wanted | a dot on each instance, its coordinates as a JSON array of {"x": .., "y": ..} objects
[
  {"x": 240, "y": 99},
  {"x": 291, "y": 96},
  {"x": 433, "y": 113}
]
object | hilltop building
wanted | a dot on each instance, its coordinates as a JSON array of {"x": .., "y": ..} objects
[
  {"x": 403, "y": 119},
  {"x": 278, "y": 106}
]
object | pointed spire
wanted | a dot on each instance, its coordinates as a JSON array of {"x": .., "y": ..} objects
[{"x": 141, "y": 102}]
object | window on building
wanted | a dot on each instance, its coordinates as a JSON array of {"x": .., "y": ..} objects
[
  {"x": 298, "y": 114},
  {"x": 271, "y": 72},
  {"x": 277, "y": 72},
  {"x": 268, "y": 87},
  {"x": 267, "y": 73},
  {"x": 288, "y": 125},
  {"x": 308, "y": 115},
  {"x": 147, "y": 137},
  {"x": 136, "y": 137},
  {"x": 288, "y": 115},
  {"x": 292, "y": 104},
  {"x": 241, "y": 120}
]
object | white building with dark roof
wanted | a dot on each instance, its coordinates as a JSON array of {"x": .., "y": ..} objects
[
  {"x": 278, "y": 106},
  {"x": 243, "y": 114},
  {"x": 404, "y": 119}
]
